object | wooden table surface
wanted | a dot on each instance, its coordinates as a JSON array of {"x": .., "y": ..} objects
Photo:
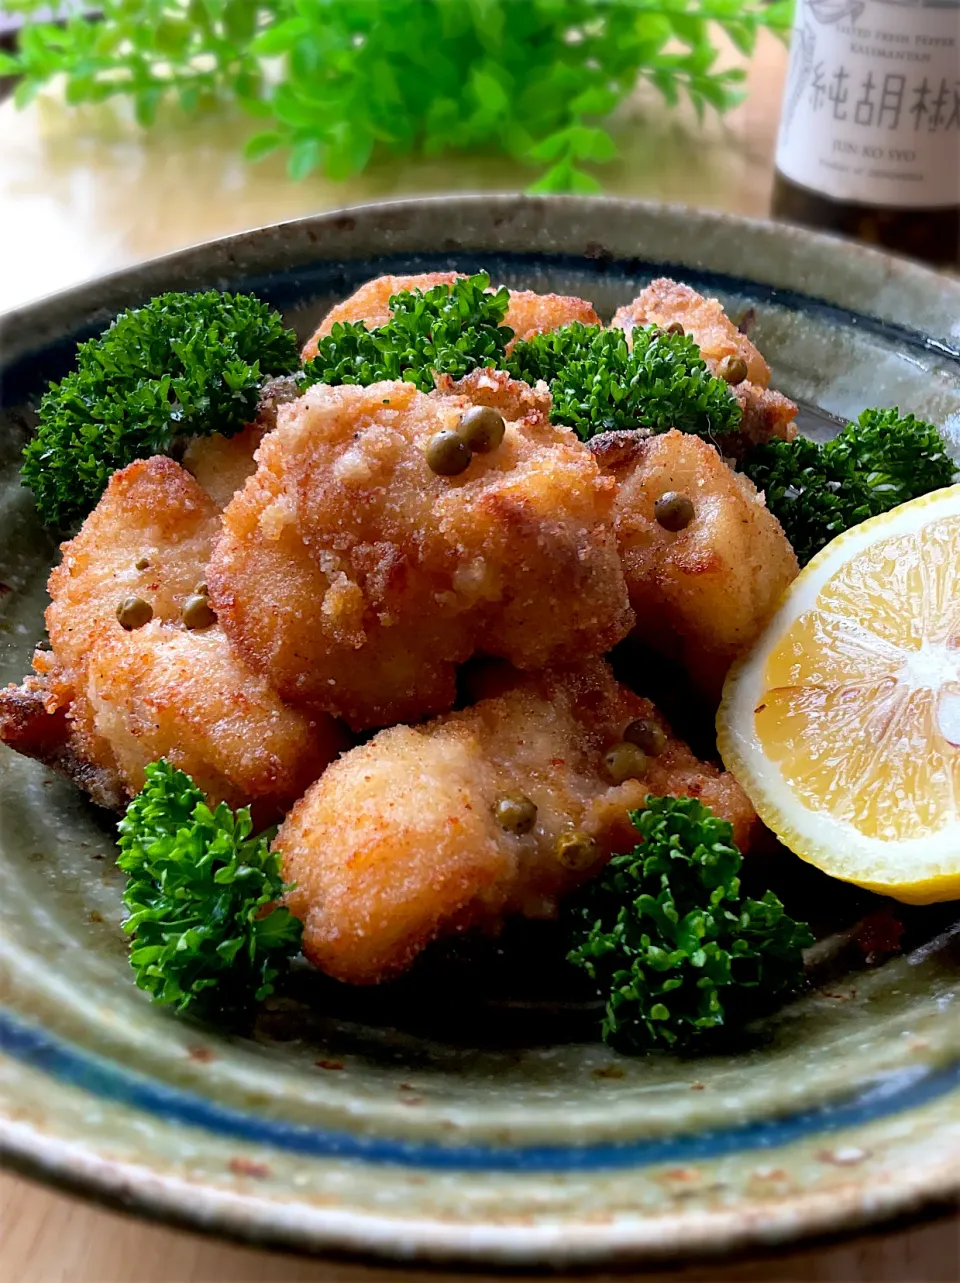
[{"x": 85, "y": 192}]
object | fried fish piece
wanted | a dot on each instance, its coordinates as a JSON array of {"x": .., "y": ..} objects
[
  {"x": 400, "y": 842},
  {"x": 356, "y": 579},
  {"x": 701, "y": 594},
  {"x": 106, "y": 700},
  {"x": 766, "y": 413},
  {"x": 528, "y": 313}
]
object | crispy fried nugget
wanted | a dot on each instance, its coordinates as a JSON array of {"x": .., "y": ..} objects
[
  {"x": 106, "y": 701},
  {"x": 766, "y": 413},
  {"x": 398, "y": 844},
  {"x": 702, "y": 318},
  {"x": 371, "y": 304},
  {"x": 527, "y": 315},
  {"x": 530, "y": 314},
  {"x": 701, "y": 594},
  {"x": 356, "y": 579}
]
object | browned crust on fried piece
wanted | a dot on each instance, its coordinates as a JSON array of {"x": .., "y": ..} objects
[
  {"x": 398, "y": 845},
  {"x": 371, "y": 304},
  {"x": 703, "y": 319},
  {"x": 356, "y": 579},
  {"x": 528, "y": 313},
  {"x": 39, "y": 719},
  {"x": 701, "y": 594},
  {"x": 107, "y": 701},
  {"x": 767, "y": 414},
  {"x": 514, "y": 399}
]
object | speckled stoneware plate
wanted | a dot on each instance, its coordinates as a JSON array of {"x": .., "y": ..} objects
[{"x": 450, "y": 1116}]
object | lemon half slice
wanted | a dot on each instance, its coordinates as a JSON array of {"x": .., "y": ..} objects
[{"x": 842, "y": 722}]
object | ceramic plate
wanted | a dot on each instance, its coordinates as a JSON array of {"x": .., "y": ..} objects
[{"x": 451, "y": 1117}]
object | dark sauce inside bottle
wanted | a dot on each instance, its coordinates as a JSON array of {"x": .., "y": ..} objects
[{"x": 932, "y": 235}]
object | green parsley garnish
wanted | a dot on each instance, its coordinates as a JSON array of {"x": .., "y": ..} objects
[
  {"x": 674, "y": 951},
  {"x": 599, "y": 385},
  {"x": 450, "y": 329},
  {"x": 199, "y": 891},
  {"x": 817, "y": 491},
  {"x": 182, "y": 365}
]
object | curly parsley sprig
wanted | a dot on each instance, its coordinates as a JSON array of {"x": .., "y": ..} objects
[
  {"x": 181, "y": 365},
  {"x": 450, "y": 329},
  {"x": 202, "y": 893},
  {"x": 818, "y": 490},
  {"x": 673, "y": 949},
  {"x": 599, "y": 384}
]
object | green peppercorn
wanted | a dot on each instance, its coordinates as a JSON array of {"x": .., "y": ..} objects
[
  {"x": 648, "y": 735},
  {"x": 142, "y": 563},
  {"x": 625, "y": 761},
  {"x": 134, "y": 612},
  {"x": 515, "y": 813},
  {"x": 733, "y": 369},
  {"x": 576, "y": 850},
  {"x": 482, "y": 428},
  {"x": 675, "y": 328},
  {"x": 197, "y": 612},
  {"x": 673, "y": 511},
  {"x": 447, "y": 454}
]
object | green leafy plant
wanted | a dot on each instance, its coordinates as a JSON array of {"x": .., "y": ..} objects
[
  {"x": 817, "y": 491},
  {"x": 202, "y": 897},
  {"x": 450, "y": 329},
  {"x": 533, "y": 79},
  {"x": 598, "y": 384},
  {"x": 675, "y": 951},
  {"x": 194, "y": 51},
  {"x": 182, "y": 365}
]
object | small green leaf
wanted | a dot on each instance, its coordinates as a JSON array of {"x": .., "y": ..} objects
[
  {"x": 304, "y": 157},
  {"x": 583, "y": 183},
  {"x": 262, "y": 144}
]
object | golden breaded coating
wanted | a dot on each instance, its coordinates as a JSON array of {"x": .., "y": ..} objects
[
  {"x": 702, "y": 594},
  {"x": 163, "y": 691},
  {"x": 487, "y": 386},
  {"x": 150, "y": 536},
  {"x": 371, "y": 303},
  {"x": 703, "y": 319},
  {"x": 106, "y": 701},
  {"x": 528, "y": 313},
  {"x": 766, "y": 414},
  {"x": 356, "y": 579},
  {"x": 398, "y": 843}
]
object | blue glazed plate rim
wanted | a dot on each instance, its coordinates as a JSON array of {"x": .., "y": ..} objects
[{"x": 107, "y": 1080}]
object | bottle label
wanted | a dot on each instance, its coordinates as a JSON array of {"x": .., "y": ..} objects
[{"x": 871, "y": 111}]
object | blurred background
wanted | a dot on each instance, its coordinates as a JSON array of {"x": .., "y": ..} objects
[{"x": 129, "y": 129}]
